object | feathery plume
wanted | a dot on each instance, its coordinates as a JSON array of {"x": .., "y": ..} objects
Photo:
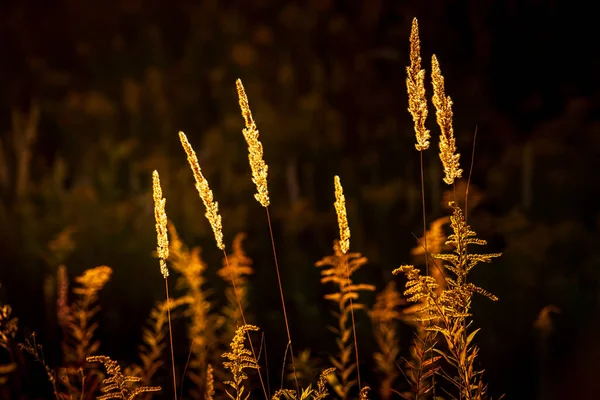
[
  {"x": 162, "y": 248},
  {"x": 255, "y": 149},
  {"x": 443, "y": 106},
  {"x": 340, "y": 208},
  {"x": 212, "y": 207},
  {"x": 415, "y": 85}
]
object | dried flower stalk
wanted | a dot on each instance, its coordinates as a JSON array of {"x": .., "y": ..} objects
[
  {"x": 443, "y": 106},
  {"x": 415, "y": 85},
  {"x": 212, "y": 207},
  {"x": 160, "y": 215},
  {"x": 255, "y": 149},
  {"x": 340, "y": 208}
]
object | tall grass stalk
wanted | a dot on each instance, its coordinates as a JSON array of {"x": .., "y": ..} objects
[
  {"x": 214, "y": 218},
  {"x": 259, "y": 177},
  {"x": 162, "y": 250}
]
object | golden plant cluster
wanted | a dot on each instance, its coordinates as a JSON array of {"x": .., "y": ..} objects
[
  {"x": 444, "y": 339},
  {"x": 239, "y": 359}
]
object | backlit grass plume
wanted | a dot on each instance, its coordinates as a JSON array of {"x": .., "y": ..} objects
[
  {"x": 340, "y": 209},
  {"x": 212, "y": 207},
  {"x": 162, "y": 250},
  {"x": 443, "y": 106},
  {"x": 415, "y": 85},
  {"x": 239, "y": 359},
  {"x": 160, "y": 215},
  {"x": 259, "y": 177},
  {"x": 117, "y": 385},
  {"x": 255, "y": 149}
]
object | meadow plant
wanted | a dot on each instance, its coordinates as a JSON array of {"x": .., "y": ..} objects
[{"x": 444, "y": 340}]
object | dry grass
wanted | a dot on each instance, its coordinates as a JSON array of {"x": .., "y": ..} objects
[{"x": 444, "y": 339}]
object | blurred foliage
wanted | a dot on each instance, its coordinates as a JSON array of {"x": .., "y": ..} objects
[{"x": 93, "y": 97}]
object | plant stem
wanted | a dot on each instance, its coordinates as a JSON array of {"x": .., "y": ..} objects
[
  {"x": 171, "y": 338},
  {"x": 287, "y": 326}
]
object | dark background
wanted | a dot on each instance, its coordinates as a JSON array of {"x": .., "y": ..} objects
[{"x": 115, "y": 80}]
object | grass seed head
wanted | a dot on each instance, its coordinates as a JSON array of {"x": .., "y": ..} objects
[
  {"x": 443, "y": 113},
  {"x": 212, "y": 207},
  {"x": 255, "y": 149},
  {"x": 160, "y": 215},
  {"x": 340, "y": 208},
  {"x": 415, "y": 85}
]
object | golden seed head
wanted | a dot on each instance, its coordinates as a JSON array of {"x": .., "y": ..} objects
[
  {"x": 340, "y": 208},
  {"x": 212, "y": 207},
  {"x": 443, "y": 106},
  {"x": 162, "y": 248},
  {"x": 415, "y": 85},
  {"x": 255, "y": 149}
]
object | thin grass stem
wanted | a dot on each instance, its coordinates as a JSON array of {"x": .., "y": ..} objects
[
  {"x": 171, "y": 338},
  {"x": 353, "y": 329},
  {"x": 287, "y": 326}
]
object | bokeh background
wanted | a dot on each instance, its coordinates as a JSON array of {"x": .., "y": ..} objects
[{"x": 92, "y": 95}]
